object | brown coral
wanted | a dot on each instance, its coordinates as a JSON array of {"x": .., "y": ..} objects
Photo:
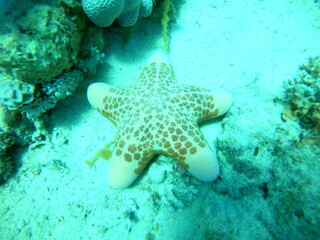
[
  {"x": 40, "y": 46},
  {"x": 303, "y": 95}
]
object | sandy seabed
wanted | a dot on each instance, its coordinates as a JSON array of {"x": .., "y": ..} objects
[{"x": 246, "y": 47}]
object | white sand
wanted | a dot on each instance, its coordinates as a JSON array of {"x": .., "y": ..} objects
[{"x": 246, "y": 47}]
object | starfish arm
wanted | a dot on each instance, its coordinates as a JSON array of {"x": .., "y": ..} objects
[
  {"x": 157, "y": 72},
  {"x": 110, "y": 101},
  {"x": 203, "y": 165},
  {"x": 128, "y": 160},
  {"x": 203, "y": 104},
  {"x": 219, "y": 103},
  {"x": 181, "y": 139}
]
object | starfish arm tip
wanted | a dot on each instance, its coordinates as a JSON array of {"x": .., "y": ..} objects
[
  {"x": 222, "y": 101},
  {"x": 158, "y": 57},
  {"x": 96, "y": 92},
  {"x": 204, "y": 165},
  {"x": 120, "y": 174}
]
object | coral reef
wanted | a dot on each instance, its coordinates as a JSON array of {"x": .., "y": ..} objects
[
  {"x": 6, "y": 166},
  {"x": 43, "y": 57},
  {"x": 303, "y": 97},
  {"x": 47, "y": 42},
  {"x": 66, "y": 84},
  {"x": 15, "y": 93},
  {"x": 15, "y": 132},
  {"x": 294, "y": 195},
  {"x": 103, "y": 13},
  {"x": 263, "y": 164},
  {"x": 175, "y": 188},
  {"x": 52, "y": 92},
  {"x": 37, "y": 47},
  {"x": 4, "y": 5},
  {"x": 46, "y": 50}
]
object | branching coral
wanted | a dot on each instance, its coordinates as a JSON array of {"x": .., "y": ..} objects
[{"x": 303, "y": 96}]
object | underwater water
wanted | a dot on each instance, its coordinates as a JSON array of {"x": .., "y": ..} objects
[{"x": 265, "y": 53}]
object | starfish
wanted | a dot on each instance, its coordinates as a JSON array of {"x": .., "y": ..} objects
[{"x": 157, "y": 115}]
